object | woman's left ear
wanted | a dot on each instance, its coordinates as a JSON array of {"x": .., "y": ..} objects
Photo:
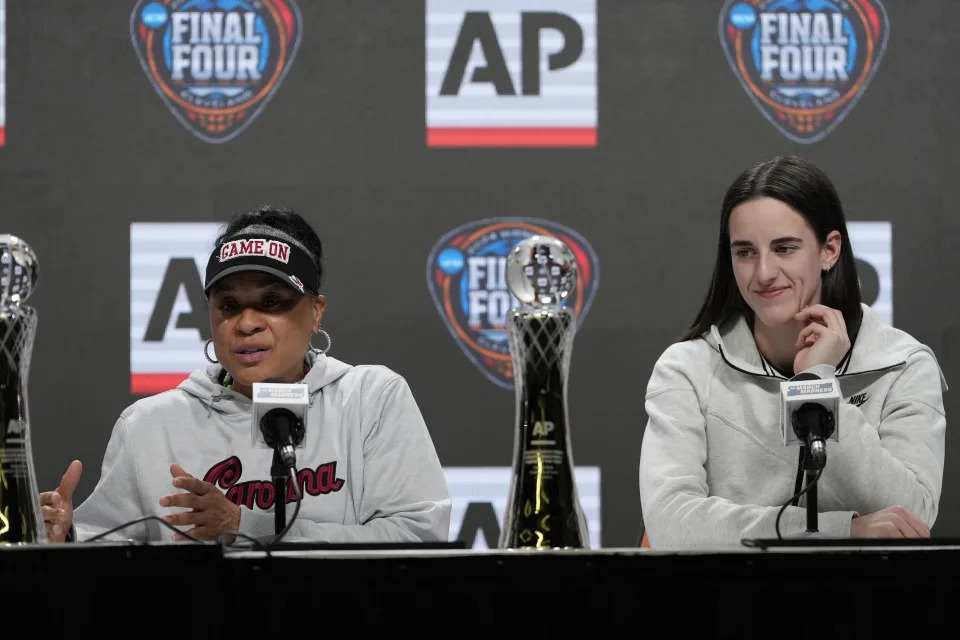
[
  {"x": 319, "y": 306},
  {"x": 830, "y": 252}
]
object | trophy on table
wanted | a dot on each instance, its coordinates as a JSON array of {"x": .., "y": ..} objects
[
  {"x": 543, "y": 508},
  {"x": 21, "y": 520}
]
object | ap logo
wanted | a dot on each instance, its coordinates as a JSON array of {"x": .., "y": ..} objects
[{"x": 511, "y": 74}]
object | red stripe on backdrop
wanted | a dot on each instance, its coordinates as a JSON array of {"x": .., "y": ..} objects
[
  {"x": 3, "y": 136},
  {"x": 145, "y": 384},
  {"x": 511, "y": 137}
]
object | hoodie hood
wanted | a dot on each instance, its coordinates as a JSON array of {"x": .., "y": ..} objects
[
  {"x": 879, "y": 347},
  {"x": 204, "y": 384}
]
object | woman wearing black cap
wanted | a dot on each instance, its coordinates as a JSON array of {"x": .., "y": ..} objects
[{"x": 367, "y": 469}]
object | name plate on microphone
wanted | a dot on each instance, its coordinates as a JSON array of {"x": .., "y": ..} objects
[
  {"x": 796, "y": 393},
  {"x": 277, "y": 395}
]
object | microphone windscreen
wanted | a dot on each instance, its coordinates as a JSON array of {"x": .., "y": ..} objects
[
  {"x": 806, "y": 388},
  {"x": 274, "y": 394}
]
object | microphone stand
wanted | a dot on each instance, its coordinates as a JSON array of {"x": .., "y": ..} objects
[
  {"x": 278, "y": 472},
  {"x": 810, "y": 470},
  {"x": 810, "y": 473},
  {"x": 283, "y": 429},
  {"x": 824, "y": 426}
]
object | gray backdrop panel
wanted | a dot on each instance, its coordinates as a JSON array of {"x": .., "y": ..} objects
[{"x": 91, "y": 148}]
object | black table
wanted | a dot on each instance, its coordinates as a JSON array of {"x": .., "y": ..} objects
[{"x": 205, "y": 590}]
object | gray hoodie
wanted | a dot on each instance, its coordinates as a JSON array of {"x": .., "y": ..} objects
[
  {"x": 713, "y": 466},
  {"x": 368, "y": 469}
]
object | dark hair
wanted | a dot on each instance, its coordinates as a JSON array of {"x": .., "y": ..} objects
[
  {"x": 808, "y": 191},
  {"x": 287, "y": 221}
]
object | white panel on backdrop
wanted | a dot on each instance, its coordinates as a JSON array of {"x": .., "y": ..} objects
[
  {"x": 479, "y": 493},
  {"x": 511, "y": 72},
  {"x": 3, "y": 71},
  {"x": 872, "y": 243},
  {"x": 165, "y": 343}
]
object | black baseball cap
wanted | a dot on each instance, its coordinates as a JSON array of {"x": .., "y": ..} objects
[{"x": 256, "y": 250}]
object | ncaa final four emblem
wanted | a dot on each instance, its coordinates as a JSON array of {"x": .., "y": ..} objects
[
  {"x": 466, "y": 275},
  {"x": 215, "y": 63},
  {"x": 804, "y": 63}
]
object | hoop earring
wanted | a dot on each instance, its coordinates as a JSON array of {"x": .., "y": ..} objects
[
  {"x": 329, "y": 342},
  {"x": 206, "y": 345}
]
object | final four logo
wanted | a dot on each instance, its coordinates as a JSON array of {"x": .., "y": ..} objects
[
  {"x": 804, "y": 63},
  {"x": 216, "y": 63},
  {"x": 466, "y": 275}
]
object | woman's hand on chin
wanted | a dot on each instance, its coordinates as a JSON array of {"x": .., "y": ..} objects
[{"x": 823, "y": 339}]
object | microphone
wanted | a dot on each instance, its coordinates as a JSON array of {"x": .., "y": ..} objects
[
  {"x": 809, "y": 407},
  {"x": 279, "y": 416}
]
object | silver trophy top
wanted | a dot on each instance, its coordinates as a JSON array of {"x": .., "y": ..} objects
[
  {"x": 541, "y": 271},
  {"x": 19, "y": 270}
]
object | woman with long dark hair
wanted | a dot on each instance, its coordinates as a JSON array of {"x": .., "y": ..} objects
[{"x": 784, "y": 304}]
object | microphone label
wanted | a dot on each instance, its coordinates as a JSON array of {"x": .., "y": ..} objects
[
  {"x": 285, "y": 392},
  {"x": 813, "y": 388}
]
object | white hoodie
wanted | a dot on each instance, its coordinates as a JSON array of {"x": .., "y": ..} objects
[
  {"x": 713, "y": 466},
  {"x": 368, "y": 468}
]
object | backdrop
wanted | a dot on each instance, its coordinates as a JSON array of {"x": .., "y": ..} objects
[{"x": 421, "y": 138}]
